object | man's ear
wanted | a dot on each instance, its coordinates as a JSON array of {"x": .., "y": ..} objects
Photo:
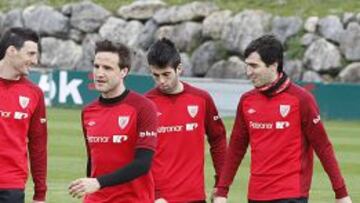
[
  {"x": 274, "y": 66},
  {"x": 179, "y": 68},
  {"x": 11, "y": 50},
  {"x": 124, "y": 72}
]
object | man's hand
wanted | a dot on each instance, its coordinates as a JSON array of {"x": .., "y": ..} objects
[
  {"x": 343, "y": 200},
  {"x": 219, "y": 200},
  {"x": 35, "y": 201},
  {"x": 161, "y": 200},
  {"x": 83, "y": 186}
]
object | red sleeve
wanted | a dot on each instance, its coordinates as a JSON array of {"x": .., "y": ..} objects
[
  {"x": 314, "y": 131},
  {"x": 147, "y": 122},
  {"x": 38, "y": 149},
  {"x": 88, "y": 164},
  {"x": 239, "y": 142},
  {"x": 216, "y": 135}
]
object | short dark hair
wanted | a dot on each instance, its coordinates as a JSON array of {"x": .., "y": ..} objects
[
  {"x": 163, "y": 53},
  {"x": 269, "y": 48},
  {"x": 122, "y": 50},
  {"x": 17, "y": 37}
]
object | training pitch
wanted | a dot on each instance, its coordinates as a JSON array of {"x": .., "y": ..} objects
[{"x": 67, "y": 160}]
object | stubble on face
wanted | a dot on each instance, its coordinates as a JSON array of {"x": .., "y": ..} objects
[
  {"x": 26, "y": 57},
  {"x": 167, "y": 79},
  {"x": 258, "y": 72},
  {"x": 107, "y": 74}
]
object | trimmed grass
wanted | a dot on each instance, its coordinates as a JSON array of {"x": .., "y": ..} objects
[
  {"x": 277, "y": 7},
  {"x": 67, "y": 160}
]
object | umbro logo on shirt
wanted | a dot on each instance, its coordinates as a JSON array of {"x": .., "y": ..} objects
[
  {"x": 251, "y": 111},
  {"x": 91, "y": 123}
]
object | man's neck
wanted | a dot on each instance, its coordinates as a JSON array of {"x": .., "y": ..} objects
[
  {"x": 179, "y": 88},
  {"x": 277, "y": 86},
  {"x": 120, "y": 90},
  {"x": 6, "y": 71}
]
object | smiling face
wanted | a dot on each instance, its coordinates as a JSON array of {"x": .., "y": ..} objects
[
  {"x": 167, "y": 79},
  {"x": 24, "y": 58},
  {"x": 108, "y": 77},
  {"x": 258, "y": 72}
]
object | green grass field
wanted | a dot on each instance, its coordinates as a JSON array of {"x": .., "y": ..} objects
[{"x": 67, "y": 160}]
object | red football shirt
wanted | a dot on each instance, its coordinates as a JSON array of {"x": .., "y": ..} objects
[
  {"x": 23, "y": 128},
  {"x": 184, "y": 119},
  {"x": 282, "y": 131},
  {"x": 113, "y": 132}
]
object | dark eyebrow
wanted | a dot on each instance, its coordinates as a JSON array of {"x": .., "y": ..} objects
[
  {"x": 107, "y": 67},
  {"x": 251, "y": 64}
]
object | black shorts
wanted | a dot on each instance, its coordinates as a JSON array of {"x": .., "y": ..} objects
[
  {"x": 12, "y": 196},
  {"x": 292, "y": 200}
]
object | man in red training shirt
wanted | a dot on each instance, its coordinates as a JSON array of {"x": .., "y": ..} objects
[
  {"x": 23, "y": 128},
  {"x": 281, "y": 122},
  {"x": 120, "y": 135},
  {"x": 186, "y": 114}
]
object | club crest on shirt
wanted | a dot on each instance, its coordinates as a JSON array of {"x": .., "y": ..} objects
[
  {"x": 284, "y": 110},
  {"x": 24, "y": 101},
  {"x": 123, "y": 121},
  {"x": 193, "y": 110}
]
